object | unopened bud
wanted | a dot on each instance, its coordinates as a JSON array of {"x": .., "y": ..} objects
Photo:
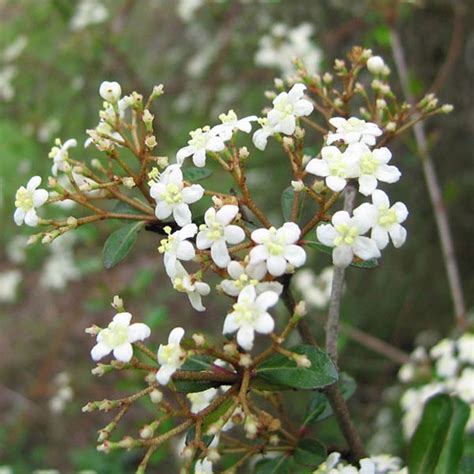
[
  {"x": 318, "y": 186},
  {"x": 199, "y": 340},
  {"x": 218, "y": 202},
  {"x": 391, "y": 126},
  {"x": 245, "y": 360},
  {"x": 213, "y": 455},
  {"x": 243, "y": 153},
  {"x": 162, "y": 161},
  {"x": 338, "y": 102},
  {"x": 279, "y": 84},
  {"x": 230, "y": 349},
  {"x": 447, "y": 108},
  {"x": 92, "y": 330},
  {"x": 297, "y": 185},
  {"x": 288, "y": 142},
  {"x": 299, "y": 133},
  {"x": 71, "y": 222},
  {"x": 339, "y": 64},
  {"x": 128, "y": 182},
  {"x": 327, "y": 78},
  {"x": 156, "y": 396},
  {"x": 146, "y": 432},
  {"x": 270, "y": 95},
  {"x": 381, "y": 104},
  {"x": 274, "y": 440},
  {"x": 157, "y": 91},
  {"x": 303, "y": 361},
  {"x": 150, "y": 141},
  {"x": 117, "y": 303},
  {"x": 375, "y": 64}
]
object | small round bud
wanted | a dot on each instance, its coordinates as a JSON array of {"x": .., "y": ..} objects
[
  {"x": 147, "y": 118},
  {"x": 391, "y": 126},
  {"x": 128, "y": 182},
  {"x": 117, "y": 303},
  {"x": 375, "y": 64},
  {"x": 447, "y": 108},
  {"x": 279, "y": 84},
  {"x": 338, "y": 102},
  {"x": 274, "y": 440},
  {"x": 162, "y": 161},
  {"x": 243, "y": 152},
  {"x": 297, "y": 185},
  {"x": 150, "y": 141},
  {"x": 188, "y": 452},
  {"x": 270, "y": 95},
  {"x": 327, "y": 78},
  {"x": 156, "y": 396},
  {"x": 339, "y": 64},
  {"x": 157, "y": 91},
  {"x": 381, "y": 104},
  {"x": 245, "y": 360},
  {"x": 218, "y": 202},
  {"x": 230, "y": 349},
  {"x": 288, "y": 142},
  {"x": 213, "y": 455},
  {"x": 110, "y": 91},
  {"x": 318, "y": 186},
  {"x": 199, "y": 340},
  {"x": 303, "y": 361},
  {"x": 150, "y": 377},
  {"x": 92, "y": 330},
  {"x": 366, "y": 53},
  {"x": 71, "y": 222},
  {"x": 146, "y": 432}
]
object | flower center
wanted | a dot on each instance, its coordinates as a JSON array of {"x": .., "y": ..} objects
[
  {"x": 244, "y": 280},
  {"x": 24, "y": 199},
  {"x": 285, "y": 108},
  {"x": 368, "y": 163},
  {"x": 337, "y": 166},
  {"x": 229, "y": 118},
  {"x": 347, "y": 234},
  {"x": 115, "y": 335},
  {"x": 181, "y": 285},
  {"x": 172, "y": 195},
  {"x": 167, "y": 245},
  {"x": 199, "y": 138},
  {"x": 245, "y": 313},
  {"x": 275, "y": 244},
  {"x": 169, "y": 354},
  {"x": 387, "y": 217},
  {"x": 214, "y": 231},
  {"x": 353, "y": 125}
]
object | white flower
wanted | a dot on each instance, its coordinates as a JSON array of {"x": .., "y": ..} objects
[
  {"x": 177, "y": 247},
  {"x": 185, "y": 283},
  {"x": 277, "y": 247},
  {"x": 231, "y": 122},
  {"x": 249, "y": 315},
  {"x": 375, "y": 65},
  {"x": 385, "y": 220},
  {"x": 119, "y": 337},
  {"x": 59, "y": 153},
  {"x": 248, "y": 275},
  {"x": 201, "y": 400},
  {"x": 353, "y": 130},
  {"x": 9, "y": 281},
  {"x": 218, "y": 231},
  {"x": 286, "y": 107},
  {"x": 203, "y": 466},
  {"x": 335, "y": 166},
  {"x": 27, "y": 200},
  {"x": 372, "y": 166},
  {"x": 202, "y": 140},
  {"x": 466, "y": 348},
  {"x": 110, "y": 91},
  {"x": 260, "y": 137},
  {"x": 345, "y": 235},
  {"x": 173, "y": 198},
  {"x": 444, "y": 354},
  {"x": 465, "y": 385},
  {"x": 315, "y": 289},
  {"x": 88, "y": 12},
  {"x": 170, "y": 356}
]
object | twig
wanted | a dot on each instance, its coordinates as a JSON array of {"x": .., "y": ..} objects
[{"x": 434, "y": 191}]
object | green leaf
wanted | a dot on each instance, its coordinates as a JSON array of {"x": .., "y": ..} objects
[
  {"x": 217, "y": 414},
  {"x": 196, "y": 364},
  {"x": 451, "y": 454},
  {"x": 319, "y": 407},
  {"x": 310, "y": 453},
  {"x": 311, "y": 151},
  {"x": 119, "y": 244},
  {"x": 430, "y": 435},
  {"x": 277, "y": 465},
  {"x": 287, "y": 202},
  {"x": 280, "y": 370},
  {"x": 196, "y": 174},
  {"x": 372, "y": 263}
]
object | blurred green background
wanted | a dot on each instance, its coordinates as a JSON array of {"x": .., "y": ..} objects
[{"x": 53, "y": 56}]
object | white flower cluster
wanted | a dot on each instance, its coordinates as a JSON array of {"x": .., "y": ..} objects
[
  {"x": 8, "y": 70},
  {"x": 63, "y": 393},
  {"x": 283, "y": 44},
  {"x": 450, "y": 367},
  {"x": 346, "y": 233},
  {"x": 381, "y": 464},
  {"x": 88, "y": 12},
  {"x": 315, "y": 289}
]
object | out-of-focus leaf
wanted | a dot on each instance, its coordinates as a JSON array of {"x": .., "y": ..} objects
[
  {"x": 310, "y": 453},
  {"x": 119, "y": 244},
  {"x": 196, "y": 174}
]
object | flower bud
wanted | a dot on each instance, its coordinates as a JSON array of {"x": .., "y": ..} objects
[
  {"x": 245, "y": 360},
  {"x": 117, "y": 303},
  {"x": 213, "y": 455},
  {"x": 299, "y": 133},
  {"x": 270, "y": 95},
  {"x": 288, "y": 142},
  {"x": 110, "y": 91},
  {"x": 150, "y": 141},
  {"x": 199, "y": 340},
  {"x": 146, "y": 432},
  {"x": 156, "y": 396},
  {"x": 157, "y": 91},
  {"x": 243, "y": 153},
  {"x": 71, "y": 222},
  {"x": 128, "y": 182},
  {"x": 375, "y": 64},
  {"x": 447, "y": 108},
  {"x": 279, "y": 84},
  {"x": 391, "y": 126},
  {"x": 274, "y": 440},
  {"x": 300, "y": 309},
  {"x": 162, "y": 161},
  {"x": 303, "y": 361},
  {"x": 297, "y": 185},
  {"x": 327, "y": 78},
  {"x": 381, "y": 104}
]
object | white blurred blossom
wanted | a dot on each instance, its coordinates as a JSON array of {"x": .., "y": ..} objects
[
  {"x": 9, "y": 281},
  {"x": 88, "y": 12}
]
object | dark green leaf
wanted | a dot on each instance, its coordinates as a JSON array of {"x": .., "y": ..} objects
[
  {"x": 430, "y": 435},
  {"x": 287, "y": 202},
  {"x": 195, "y": 363},
  {"x": 372, "y": 263},
  {"x": 310, "y": 453},
  {"x": 119, "y": 244},
  {"x": 451, "y": 454},
  {"x": 272, "y": 466},
  {"x": 196, "y": 174},
  {"x": 280, "y": 370},
  {"x": 311, "y": 151}
]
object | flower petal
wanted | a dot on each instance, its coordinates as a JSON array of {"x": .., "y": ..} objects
[
  {"x": 185, "y": 251},
  {"x": 33, "y": 183},
  {"x": 40, "y": 196},
  {"x": 124, "y": 352},
  {"x": 245, "y": 338},
  {"x": 199, "y": 158},
  {"x": 163, "y": 210},
  {"x": 192, "y": 193},
  {"x": 99, "y": 351},
  {"x": 230, "y": 324},
  {"x": 184, "y": 153},
  {"x": 258, "y": 254},
  {"x": 276, "y": 265},
  {"x": 264, "y": 324},
  {"x": 235, "y": 269},
  {"x": 164, "y": 374},
  {"x": 318, "y": 167},
  {"x": 138, "y": 332},
  {"x": 234, "y": 234},
  {"x": 326, "y": 234},
  {"x": 122, "y": 318},
  {"x": 31, "y": 218},
  {"x": 365, "y": 248},
  {"x": 380, "y": 237},
  {"x": 219, "y": 253},
  {"x": 398, "y": 234},
  {"x": 295, "y": 255},
  {"x": 175, "y": 336},
  {"x": 336, "y": 183},
  {"x": 226, "y": 214},
  {"x": 266, "y": 299},
  {"x": 342, "y": 256},
  {"x": 182, "y": 214}
]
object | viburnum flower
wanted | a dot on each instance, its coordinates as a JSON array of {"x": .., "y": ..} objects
[
  {"x": 248, "y": 275},
  {"x": 466, "y": 348},
  {"x": 202, "y": 140},
  {"x": 353, "y": 130},
  {"x": 337, "y": 167},
  {"x": 173, "y": 198},
  {"x": 249, "y": 315},
  {"x": 277, "y": 248},
  {"x": 231, "y": 122},
  {"x": 201, "y": 400},
  {"x": 177, "y": 246},
  {"x": 260, "y": 137},
  {"x": 345, "y": 235},
  {"x": 203, "y": 466},
  {"x": 170, "y": 356},
  {"x": 27, "y": 200},
  {"x": 373, "y": 166},
  {"x": 119, "y": 337},
  {"x": 287, "y": 106},
  {"x": 59, "y": 153},
  {"x": 218, "y": 231},
  {"x": 185, "y": 283},
  {"x": 110, "y": 91},
  {"x": 385, "y": 220}
]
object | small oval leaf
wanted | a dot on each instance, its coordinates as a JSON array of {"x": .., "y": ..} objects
[
  {"x": 119, "y": 244},
  {"x": 196, "y": 174}
]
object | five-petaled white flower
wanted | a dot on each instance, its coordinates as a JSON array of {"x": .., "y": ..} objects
[
  {"x": 260, "y": 137},
  {"x": 353, "y": 130},
  {"x": 218, "y": 231},
  {"x": 287, "y": 106},
  {"x": 385, "y": 220},
  {"x": 59, "y": 153},
  {"x": 201, "y": 400},
  {"x": 277, "y": 247},
  {"x": 110, "y": 91},
  {"x": 170, "y": 356},
  {"x": 203, "y": 466},
  {"x": 231, "y": 122},
  {"x": 119, "y": 337},
  {"x": 177, "y": 247},
  {"x": 172, "y": 197},
  {"x": 373, "y": 166},
  {"x": 248, "y": 275},
  {"x": 186, "y": 283},
  {"x": 345, "y": 235},
  {"x": 249, "y": 315},
  {"x": 335, "y": 166},
  {"x": 202, "y": 140},
  {"x": 27, "y": 200}
]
